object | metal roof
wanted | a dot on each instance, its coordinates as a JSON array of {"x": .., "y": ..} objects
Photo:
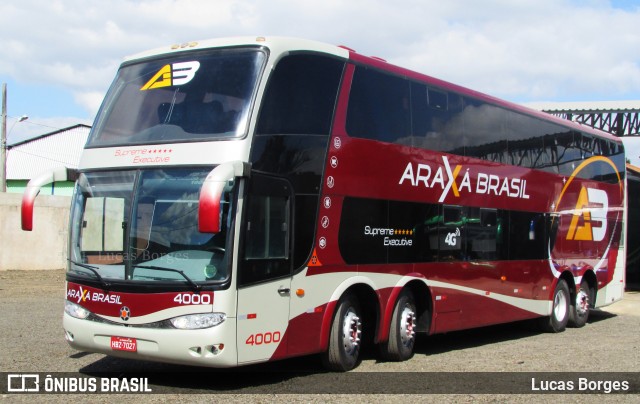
[
  {"x": 32, "y": 157},
  {"x": 579, "y": 106},
  {"x": 620, "y": 118}
]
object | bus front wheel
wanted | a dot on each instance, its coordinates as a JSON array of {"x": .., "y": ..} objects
[
  {"x": 345, "y": 336},
  {"x": 402, "y": 334},
  {"x": 557, "y": 321}
]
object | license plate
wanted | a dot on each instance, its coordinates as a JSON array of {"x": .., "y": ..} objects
[{"x": 124, "y": 344}]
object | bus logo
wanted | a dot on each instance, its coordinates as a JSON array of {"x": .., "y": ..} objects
[
  {"x": 175, "y": 74},
  {"x": 125, "y": 313},
  {"x": 587, "y": 209},
  {"x": 589, "y": 222},
  {"x": 446, "y": 178}
]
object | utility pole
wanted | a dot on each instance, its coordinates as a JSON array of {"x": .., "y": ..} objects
[{"x": 3, "y": 141}]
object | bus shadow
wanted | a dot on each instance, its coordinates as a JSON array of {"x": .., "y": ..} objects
[
  {"x": 267, "y": 378},
  {"x": 596, "y": 315},
  {"x": 476, "y": 337},
  {"x": 297, "y": 375}
]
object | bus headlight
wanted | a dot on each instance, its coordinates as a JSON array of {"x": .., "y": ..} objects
[
  {"x": 75, "y": 310},
  {"x": 197, "y": 321}
]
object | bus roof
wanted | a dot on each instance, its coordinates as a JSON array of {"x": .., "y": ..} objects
[
  {"x": 282, "y": 45},
  {"x": 274, "y": 43}
]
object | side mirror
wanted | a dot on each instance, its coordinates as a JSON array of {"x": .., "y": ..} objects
[
  {"x": 209, "y": 209},
  {"x": 33, "y": 189}
]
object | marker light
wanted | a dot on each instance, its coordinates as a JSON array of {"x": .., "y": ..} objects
[
  {"x": 198, "y": 321},
  {"x": 75, "y": 310}
]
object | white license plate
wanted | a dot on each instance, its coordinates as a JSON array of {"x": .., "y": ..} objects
[{"x": 124, "y": 344}]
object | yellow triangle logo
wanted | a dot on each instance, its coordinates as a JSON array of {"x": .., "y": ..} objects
[
  {"x": 577, "y": 231},
  {"x": 160, "y": 79}
]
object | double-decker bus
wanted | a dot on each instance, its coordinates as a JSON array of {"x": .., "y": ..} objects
[{"x": 247, "y": 200}]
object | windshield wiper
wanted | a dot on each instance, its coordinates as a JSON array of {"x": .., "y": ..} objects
[
  {"x": 105, "y": 284},
  {"x": 195, "y": 286}
]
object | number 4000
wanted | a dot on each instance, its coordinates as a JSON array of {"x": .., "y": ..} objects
[{"x": 266, "y": 338}]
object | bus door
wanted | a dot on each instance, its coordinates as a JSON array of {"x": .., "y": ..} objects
[{"x": 264, "y": 269}]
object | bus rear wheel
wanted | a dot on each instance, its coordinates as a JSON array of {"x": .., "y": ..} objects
[
  {"x": 345, "y": 336},
  {"x": 557, "y": 321},
  {"x": 580, "y": 307},
  {"x": 402, "y": 334}
]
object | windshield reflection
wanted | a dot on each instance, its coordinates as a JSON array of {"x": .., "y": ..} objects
[
  {"x": 150, "y": 236},
  {"x": 193, "y": 96}
]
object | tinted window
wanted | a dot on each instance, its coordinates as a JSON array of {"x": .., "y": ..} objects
[
  {"x": 436, "y": 119},
  {"x": 484, "y": 127},
  {"x": 374, "y": 231},
  {"x": 527, "y": 235},
  {"x": 484, "y": 234},
  {"x": 441, "y": 120},
  {"x": 267, "y": 230},
  {"x": 293, "y": 132},
  {"x": 301, "y": 96},
  {"x": 189, "y": 96},
  {"x": 378, "y": 106},
  {"x": 526, "y": 141}
]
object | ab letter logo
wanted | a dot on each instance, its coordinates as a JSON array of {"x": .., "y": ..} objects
[
  {"x": 591, "y": 213},
  {"x": 175, "y": 74},
  {"x": 592, "y": 208}
]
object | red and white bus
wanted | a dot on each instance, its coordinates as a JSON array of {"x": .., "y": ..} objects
[{"x": 247, "y": 200}]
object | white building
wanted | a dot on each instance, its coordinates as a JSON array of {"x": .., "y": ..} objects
[{"x": 30, "y": 158}]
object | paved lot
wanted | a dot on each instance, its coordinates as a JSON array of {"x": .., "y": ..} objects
[{"x": 32, "y": 341}]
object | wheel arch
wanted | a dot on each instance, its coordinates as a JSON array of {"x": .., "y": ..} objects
[
  {"x": 363, "y": 290},
  {"x": 567, "y": 276},
  {"x": 590, "y": 277},
  {"x": 422, "y": 299}
]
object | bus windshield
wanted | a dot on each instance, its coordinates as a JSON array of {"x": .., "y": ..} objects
[
  {"x": 193, "y": 96},
  {"x": 143, "y": 226}
]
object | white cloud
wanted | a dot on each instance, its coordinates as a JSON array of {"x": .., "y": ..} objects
[
  {"x": 632, "y": 149},
  {"x": 525, "y": 50},
  {"x": 91, "y": 100}
]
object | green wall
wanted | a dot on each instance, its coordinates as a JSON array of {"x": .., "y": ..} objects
[{"x": 64, "y": 188}]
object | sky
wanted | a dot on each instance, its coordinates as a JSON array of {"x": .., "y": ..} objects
[{"x": 59, "y": 56}]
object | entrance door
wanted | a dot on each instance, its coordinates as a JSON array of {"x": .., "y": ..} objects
[{"x": 264, "y": 274}]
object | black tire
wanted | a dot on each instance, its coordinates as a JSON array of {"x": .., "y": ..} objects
[
  {"x": 402, "y": 336},
  {"x": 579, "y": 313},
  {"x": 557, "y": 321},
  {"x": 345, "y": 336}
]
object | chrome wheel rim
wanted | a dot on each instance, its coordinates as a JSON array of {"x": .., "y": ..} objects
[
  {"x": 351, "y": 332},
  {"x": 407, "y": 326},
  {"x": 582, "y": 302},
  {"x": 560, "y": 306}
]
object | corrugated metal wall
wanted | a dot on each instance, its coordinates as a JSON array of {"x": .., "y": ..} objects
[{"x": 30, "y": 158}]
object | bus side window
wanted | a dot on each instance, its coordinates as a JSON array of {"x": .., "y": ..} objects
[
  {"x": 482, "y": 234},
  {"x": 436, "y": 122},
  {"x": 451, "y": 233},
  {"x": 267, "y": 228},
  {"x": 527, "y": 235},
  {"x": 300, "y": 96},
  {"x": 266, "y": 251},
  {"x": 379, "y": 106}
]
